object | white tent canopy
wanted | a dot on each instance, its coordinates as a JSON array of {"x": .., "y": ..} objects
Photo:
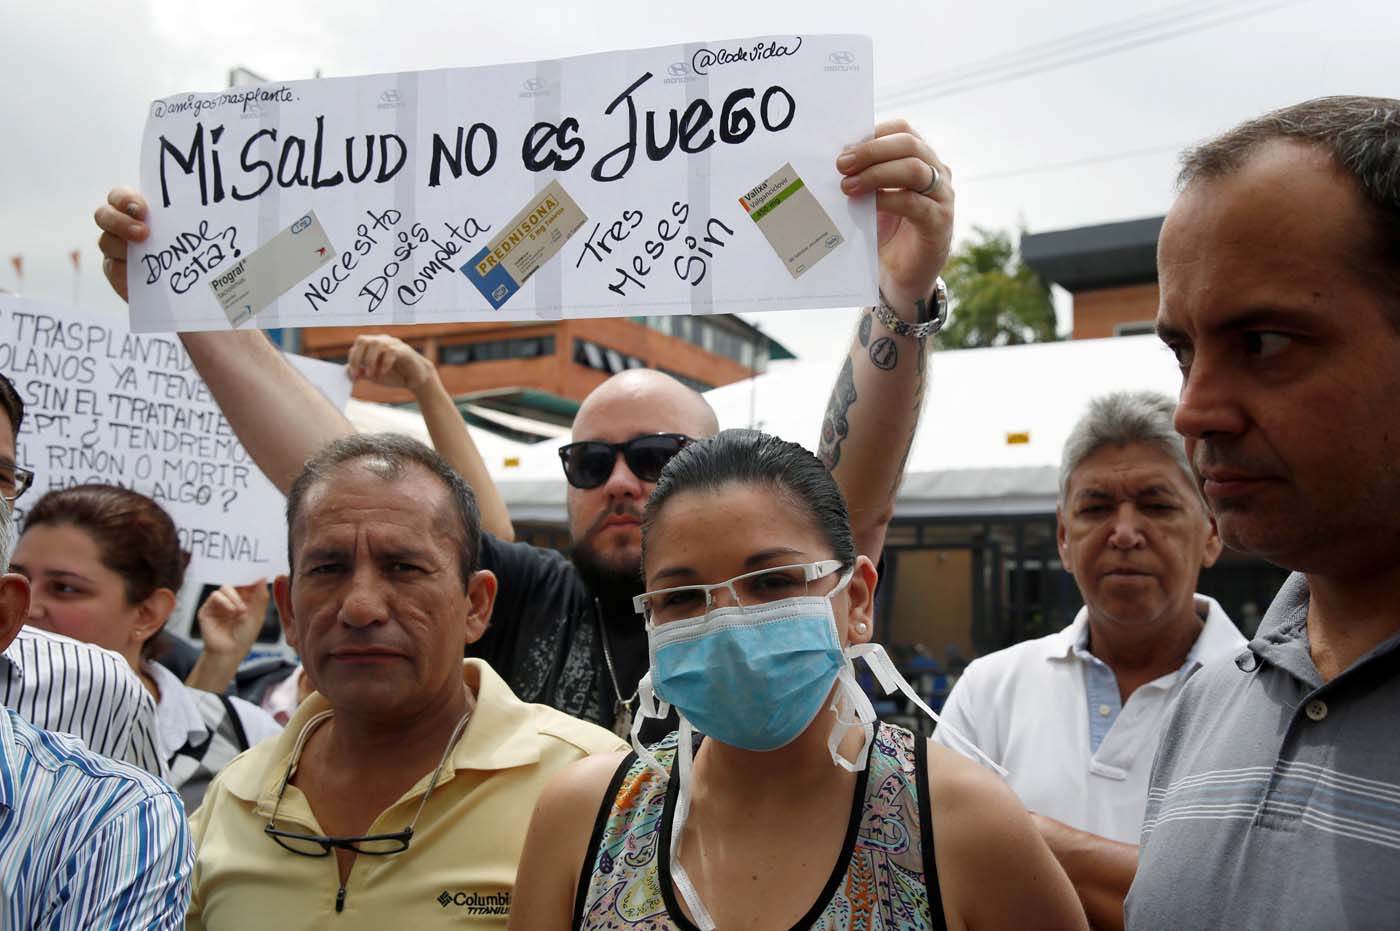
[{"x": 994, "y": 423}]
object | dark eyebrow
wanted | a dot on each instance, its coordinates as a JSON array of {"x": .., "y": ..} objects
[
  {"x": 1164, "y": 491},
  {"x": 53, "y": 573},
  {"x": 404, "y": 554},
  {"x": 1169, "y": 334},
  {"x": 1270, "y": 316},
  {"x": 325, "y": 553},
  {"x": 675, "y": 572},
  {"x": 755, "y": 561}
]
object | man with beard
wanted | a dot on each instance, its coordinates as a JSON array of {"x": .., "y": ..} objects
[
  {"x": 563, "y": 632},
  {"x": 1275, "y": 797}
]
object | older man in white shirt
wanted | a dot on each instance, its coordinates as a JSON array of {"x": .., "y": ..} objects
[{"x": 1076, "y": 716}]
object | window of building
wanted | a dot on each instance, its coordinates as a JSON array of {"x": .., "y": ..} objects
[
  {"x": 1135, "y": 328},
  {"x": 528, "y": 347},
  {"x": 603, "y": 359},
  {"x": 694, "y": 383}
]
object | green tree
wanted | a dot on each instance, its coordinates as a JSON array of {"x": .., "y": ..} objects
[{"x": 996, "y": 299}]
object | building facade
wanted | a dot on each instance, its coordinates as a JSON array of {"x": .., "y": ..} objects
[
  {"x": 1110, "y": 269},
  {"x": 542, "y": 370}
]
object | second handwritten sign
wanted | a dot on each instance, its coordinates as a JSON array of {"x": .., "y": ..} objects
[{"x": 685, "y": 179}]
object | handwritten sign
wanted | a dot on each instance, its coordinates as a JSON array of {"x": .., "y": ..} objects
[
  {"x": 105, "y": 405},
  {"x": 603, "y": 185}
]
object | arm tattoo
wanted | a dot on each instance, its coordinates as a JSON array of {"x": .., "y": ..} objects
[
  {"x": 922, "y": 356},
  {"x": 866, "y": 319},
  {"x": 884, "y": 354},
  {"x": 835, "y": 426}
]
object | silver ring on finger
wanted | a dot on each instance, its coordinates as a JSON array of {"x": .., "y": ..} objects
[{"x": 932, "y": 181}]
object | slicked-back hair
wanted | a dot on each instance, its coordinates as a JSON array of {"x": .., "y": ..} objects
[
  {"x": 748, "y": 457},
  {"x": 136, "y": 538},
  {"x": 1124, "y": 418},
  {"x": 12, "y": 404},
  {"x": 389, "y": 456},
  {"x": 1362, "y": 134}
]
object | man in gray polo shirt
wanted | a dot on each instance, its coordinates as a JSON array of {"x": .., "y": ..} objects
[{"x": 1275, "y": 797}]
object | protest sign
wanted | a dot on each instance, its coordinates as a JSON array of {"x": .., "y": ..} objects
[
  {"x": 685, "y": 179},
  {"x": 105, "y": 405}
]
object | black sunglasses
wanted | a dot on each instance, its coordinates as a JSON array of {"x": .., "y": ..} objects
[{"x": 588, "y": 464}]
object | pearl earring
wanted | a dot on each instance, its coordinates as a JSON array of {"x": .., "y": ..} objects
[{"x": 861, "y": 628}]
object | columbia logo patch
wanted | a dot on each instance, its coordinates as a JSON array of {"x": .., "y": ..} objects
[{"x": 476, "y": 903}]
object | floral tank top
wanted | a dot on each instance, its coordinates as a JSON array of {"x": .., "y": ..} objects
[{"x": 884, "y": 880}]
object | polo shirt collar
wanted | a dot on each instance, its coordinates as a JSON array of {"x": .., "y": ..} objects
[
  {"x": 9, "y": 657},
  {"x": 177, "y": 718},
  {"x": 501, "y": 735},
  {"x": 1282, "y": 639},
  {"x": 1217, "y": 633},
  {"x": 9, "y": 762},
  {"x": 1070, "y": 640}
]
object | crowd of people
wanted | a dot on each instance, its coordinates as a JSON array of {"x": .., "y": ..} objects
[{"x": 664, "y": 728}]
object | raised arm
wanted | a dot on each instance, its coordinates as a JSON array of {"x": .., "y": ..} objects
[
  {"x": 874, "y": 408},
  {"x": 393, "y": 363},
  {"x": 280, "y": 417}
]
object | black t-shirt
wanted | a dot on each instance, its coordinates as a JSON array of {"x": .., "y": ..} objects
[{"x": 545, "y": 629}]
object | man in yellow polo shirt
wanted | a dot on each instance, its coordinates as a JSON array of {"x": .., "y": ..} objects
[{"x": 400, "y": 793}]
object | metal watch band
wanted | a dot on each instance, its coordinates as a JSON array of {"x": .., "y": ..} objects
[{"x": 891, "y": 321}]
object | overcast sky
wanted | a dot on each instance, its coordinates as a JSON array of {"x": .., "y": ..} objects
[{"x": 1090, "y": 141}]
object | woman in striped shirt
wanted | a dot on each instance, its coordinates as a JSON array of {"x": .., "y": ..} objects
[{"x": 105, "y": 564}]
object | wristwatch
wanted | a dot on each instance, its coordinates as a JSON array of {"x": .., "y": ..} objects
[{"x": 891, "y": 321}]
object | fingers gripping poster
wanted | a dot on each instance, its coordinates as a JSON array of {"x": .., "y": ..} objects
[
  {"x": 104, "y": 405},
  {"x": 686, "y": 179}
]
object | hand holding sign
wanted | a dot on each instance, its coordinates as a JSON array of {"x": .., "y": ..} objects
[{"x": 914, "y": 200}]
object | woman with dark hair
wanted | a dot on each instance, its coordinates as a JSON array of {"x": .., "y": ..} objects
[
  {"x": 104, "y": 566},
  {"x": 798, "y": 809}
]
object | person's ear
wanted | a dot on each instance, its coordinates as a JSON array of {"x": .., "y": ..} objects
[
  {"x": 860, "y": 592},
  {"x": 1214, "y": 545},
  {"x": 481, "y": 597},
  {"x": 14, "y": 605},
  {"x": 282, "y": 597},
  {"x": 152, "y": 614}
]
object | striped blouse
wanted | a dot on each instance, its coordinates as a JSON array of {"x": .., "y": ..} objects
[
  {"x": 86, "y": 842},
  {"x": 70, "y": 687}
]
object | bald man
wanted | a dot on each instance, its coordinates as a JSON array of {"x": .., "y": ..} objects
[{"x": 563, "y": 631}]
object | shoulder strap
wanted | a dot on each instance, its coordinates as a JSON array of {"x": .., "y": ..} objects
[
  {"x": 924, "y": 796},
  {"x": 590, "y": 858},
  {"x": 239, "y": 734}
]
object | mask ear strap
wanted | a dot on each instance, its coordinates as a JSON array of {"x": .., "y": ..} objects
[
  {"x": 679, "y": 878},
  {"x": 890, "y": 680},
  {"x": 853, "y": 709},
  {"x": 647, "y": 707}
]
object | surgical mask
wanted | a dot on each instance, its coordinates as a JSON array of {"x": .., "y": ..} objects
[
  {"x": 752, "y": 677},
  {"x": 755, "y": 677}
]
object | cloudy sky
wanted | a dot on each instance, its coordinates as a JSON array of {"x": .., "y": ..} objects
[{"x": 1051, "y": 115}]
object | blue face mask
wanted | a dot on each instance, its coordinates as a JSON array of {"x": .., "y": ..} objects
[{"x": 752, "y": 677}]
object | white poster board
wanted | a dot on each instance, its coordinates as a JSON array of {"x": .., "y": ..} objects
[
  {"x": 105, "y": 405},
  {"x": 685, "y": 179}
]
